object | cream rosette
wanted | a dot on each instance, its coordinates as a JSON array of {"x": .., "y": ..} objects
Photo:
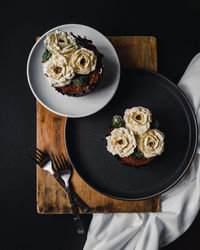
[
  {"x": 61, "y": 43},
  {"x": 121, "y": 142},
  {"x": 138, "y": 119},
  {"x": 151, "y": 143},
  {"x": 58, "y": 72},
  {"x": 83, "y": 61}
]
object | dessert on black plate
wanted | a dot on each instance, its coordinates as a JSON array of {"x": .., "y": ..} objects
[
  {"x": 72, "y": 64},
  {"x": 135, "y": 138}
]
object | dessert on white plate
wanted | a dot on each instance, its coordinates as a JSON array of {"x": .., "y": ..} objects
[{"x": 72, "y": 64}]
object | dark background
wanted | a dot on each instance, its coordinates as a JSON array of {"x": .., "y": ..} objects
[{"x": 177, "y": 29}]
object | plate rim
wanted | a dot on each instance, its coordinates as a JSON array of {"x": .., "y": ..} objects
[
  {"x": 28, "y": 66},
  {"x": 186, "y": 168}
]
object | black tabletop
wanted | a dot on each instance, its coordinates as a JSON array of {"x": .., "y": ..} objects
[{"x": 176, "y": 28}]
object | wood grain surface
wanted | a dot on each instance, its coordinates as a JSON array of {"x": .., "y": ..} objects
[{"x": 133, "y": 51}]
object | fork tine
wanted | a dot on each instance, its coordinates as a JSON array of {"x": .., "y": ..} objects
[
  {"x": 60, "y": 163},
  {"x": 53, "y": 161},
  {"x": 42, "y": 153},
  {"x": 67, "y": 164},
  {"x": 35, "y": 154},
  {"x": 38, "y": 151},
  {"x": 33, "y": 158},
  {"x": 55, "y": 164},
  {"x": 63, "y": 162}
]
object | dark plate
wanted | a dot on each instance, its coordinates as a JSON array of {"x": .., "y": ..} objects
[{"x": 86, "y": 144}]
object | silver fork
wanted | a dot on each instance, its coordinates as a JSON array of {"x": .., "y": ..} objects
[
  {"x": 64, "y": 173},
  {"x": 61, "y": 166},
  {"x": 43, "y": 160}
]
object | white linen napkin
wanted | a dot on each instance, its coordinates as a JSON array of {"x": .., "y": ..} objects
[{"x": 179, "y": 205}]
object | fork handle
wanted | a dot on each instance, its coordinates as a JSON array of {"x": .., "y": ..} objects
[
  {"x": 77, "y": 199},
  {"x": 76, "y": 216}
]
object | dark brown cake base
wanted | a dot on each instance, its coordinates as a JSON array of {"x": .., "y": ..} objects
[
  {"x": 130, "y": 161},
  {"x": 135, "y": 162},
  {"x": 73, "y": 90}
]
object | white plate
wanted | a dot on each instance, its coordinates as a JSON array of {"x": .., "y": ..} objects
[{"x": 75, "y": 106}]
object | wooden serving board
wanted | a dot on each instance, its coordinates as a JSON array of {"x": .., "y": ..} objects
[{"x": 133, "y": 51}]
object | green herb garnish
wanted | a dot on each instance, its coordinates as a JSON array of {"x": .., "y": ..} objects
[
  {"x": 137, "y": 154},
  {"x": 46, "y": 55},
  {"x": 118, "y": 121},
  {"x": 155, "y": 123},
  {"x": 81, "y": 42},
  {"x": 80, "y": 80},
  {"x": 78, "y": 43}
]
